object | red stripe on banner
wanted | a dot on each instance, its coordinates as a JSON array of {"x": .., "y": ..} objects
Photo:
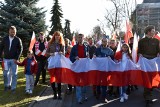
[{"x": 112, "y": 78}]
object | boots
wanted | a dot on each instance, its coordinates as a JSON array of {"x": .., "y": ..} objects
[
  {"x": 55, "y": 90},
  {"x": 59, "y": 96},
  {"x": 55, "y": 95}
]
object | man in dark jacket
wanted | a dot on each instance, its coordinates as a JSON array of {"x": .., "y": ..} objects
[
  {"x": 91, "y": 47},
  {"x": 148, "y": 47},
  {"x": 103, "y": 51},
  {"x": 12, "y": 48},
  {"x": 79, "y": 51},
  {"x": 39, "y": 50}
]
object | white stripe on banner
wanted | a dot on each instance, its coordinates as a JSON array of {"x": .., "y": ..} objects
[
  {"x": 103, "y": 64},
  {"x": 152, "y": 65}
]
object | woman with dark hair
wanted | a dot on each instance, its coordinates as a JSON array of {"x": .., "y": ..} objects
[
  {"x": 121, "y": 56},
  {"x": 56, "y": 44}
]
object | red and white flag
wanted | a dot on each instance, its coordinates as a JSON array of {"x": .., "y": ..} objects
[
  {"x": 104, "y": 71},
  {"x": 73, "y": 42},
  {"x": 32, "y": 42},
  {"x": 157, "y": 36},
  {"x": 128, "y": 33},
  {"x": 114, "y": 37},
  {"x": 119, "y": 46},
  {"x": 135, "y": 48},
  {"x": 118, "y": 55}
]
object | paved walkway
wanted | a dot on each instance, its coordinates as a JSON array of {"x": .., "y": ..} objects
[
  {"x": 135, "y": 100},
  {"x": 45, "y": 99}
]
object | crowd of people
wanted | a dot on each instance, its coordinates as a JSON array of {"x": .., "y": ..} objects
[{"x": 36, "y": 60}]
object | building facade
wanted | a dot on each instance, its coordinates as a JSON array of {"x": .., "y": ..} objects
[
  {"x": 147, "y": 14},
  {"x": 151, "y": 1}
]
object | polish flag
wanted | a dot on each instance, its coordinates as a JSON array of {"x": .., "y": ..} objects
[
  {"x": 33, "y": 41},
  {"x": 104, "y": 71},
  {"x": 135, "y": 48},
  {"x": 128, "y": 33},
  {"x": 118, "y": 55},
  {"x": 114, "y": 37},
  {"x": 73, "y": 41},
  {"x": 157, "y": 36},
  {"x": 119, "y": 46}
]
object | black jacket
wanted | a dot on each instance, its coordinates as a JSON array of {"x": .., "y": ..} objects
[
  {"x": 74, "y": 52},
  {"x": 148, "y": 47},
  {"x": 41, "y": 48},
  {"x": 15, "y": 50}
]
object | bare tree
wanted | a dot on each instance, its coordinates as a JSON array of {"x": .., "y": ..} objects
[{"x": 114, "y": 17}]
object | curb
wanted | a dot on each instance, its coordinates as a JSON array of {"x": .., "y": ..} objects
[{"x": 35, "y": 99}]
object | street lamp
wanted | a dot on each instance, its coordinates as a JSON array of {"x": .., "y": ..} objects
[{"x": 102, "y": 26}]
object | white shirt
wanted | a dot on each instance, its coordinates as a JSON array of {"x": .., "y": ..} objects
[{"x": 10, "y": 40}]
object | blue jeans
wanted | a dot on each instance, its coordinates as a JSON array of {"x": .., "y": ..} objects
[
  {"x": 80, "y": 92},
  {"x": 10, "y": 65},
  {"x": 122, "y": 90}
]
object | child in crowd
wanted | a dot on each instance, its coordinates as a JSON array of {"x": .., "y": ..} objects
[
  {"x": 68, "y": 51},
  {"x": 30, "y": 68},
  {"x": 124, "y": 54}
]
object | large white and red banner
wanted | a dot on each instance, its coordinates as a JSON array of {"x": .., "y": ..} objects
[{"x": 104, "y": 71}]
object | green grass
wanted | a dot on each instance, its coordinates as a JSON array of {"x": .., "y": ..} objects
[{"x": 19, "y": 99}]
